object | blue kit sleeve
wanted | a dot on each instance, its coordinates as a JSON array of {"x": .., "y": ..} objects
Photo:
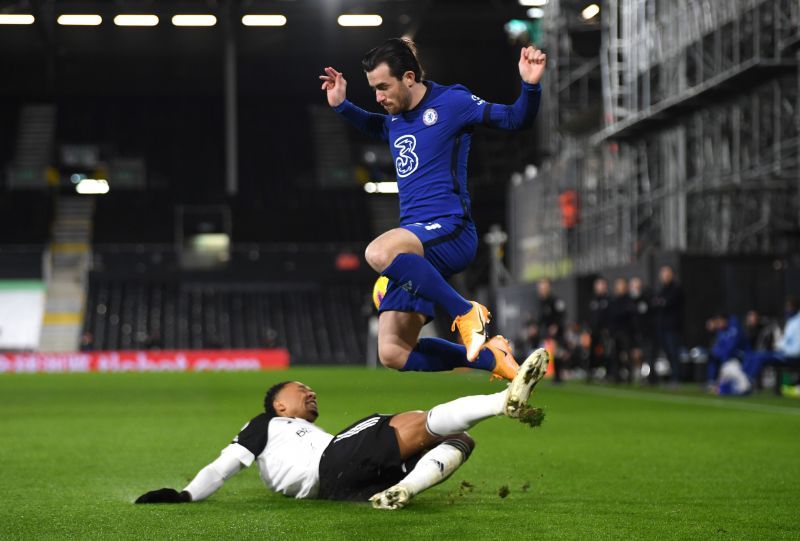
[
  {"x": 520, "y": 114},
  {"x": 373, "y": 124}
]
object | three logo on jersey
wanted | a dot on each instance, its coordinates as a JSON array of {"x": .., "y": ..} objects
[{"x": 407, "y": 160}]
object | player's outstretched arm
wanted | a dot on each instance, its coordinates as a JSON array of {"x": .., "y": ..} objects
[
  {"x": 205, "y": 483},
  {"x": 521, "y": 113},
  {"x": 335, "y": 86}
]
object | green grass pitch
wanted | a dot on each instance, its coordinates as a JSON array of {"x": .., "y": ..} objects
[{"x": 608, "y": 462}]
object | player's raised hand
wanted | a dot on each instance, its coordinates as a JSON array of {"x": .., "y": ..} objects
[
  {"x": 335, "y": 85},
  {"x": 531, "y": 64},
  {"x": 164, "y": 495}
]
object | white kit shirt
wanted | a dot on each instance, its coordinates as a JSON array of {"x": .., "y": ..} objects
[{"x": 287, "y": 450}]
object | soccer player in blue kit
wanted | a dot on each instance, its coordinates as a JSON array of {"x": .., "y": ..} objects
[{"x": 428, "y": 127}]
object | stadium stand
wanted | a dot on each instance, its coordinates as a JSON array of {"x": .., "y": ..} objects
[
  {"x": 281, "y": 285},
  {"x": 316, "y": 324}
]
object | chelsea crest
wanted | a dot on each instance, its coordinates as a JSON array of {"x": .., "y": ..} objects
[{"x": 430, "y": 116}]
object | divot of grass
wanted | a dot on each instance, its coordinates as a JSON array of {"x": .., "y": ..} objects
[
  {"x": 531, "y": 416},
  {"x": 466, "y": 486}
]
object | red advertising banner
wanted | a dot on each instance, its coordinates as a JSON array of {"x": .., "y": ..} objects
[{"x": 146, "y": 361}]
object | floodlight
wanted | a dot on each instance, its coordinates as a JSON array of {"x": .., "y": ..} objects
[
  {"x": 264, "y": 20},
  {"x": 136, "y": 20},
  {"x": 360, "y": 20},
  {"x": 79, "y": 20},
  {"x": 194, "y": 20},
  {"x": 16, "y": 18}
]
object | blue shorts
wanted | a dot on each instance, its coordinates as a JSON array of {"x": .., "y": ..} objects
[{"x": 450, "y": 245}]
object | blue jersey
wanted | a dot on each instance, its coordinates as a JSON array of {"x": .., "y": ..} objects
[
  {"x": 731, "y": 341},
  {"x": 430, "y": 144}
]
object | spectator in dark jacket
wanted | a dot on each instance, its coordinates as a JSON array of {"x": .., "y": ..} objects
[
  {"x": 668, "y": 314},
  {"x": 598, "y": 326},
  {"x": 620, "y": 320},
  {"x": 642, "y": 328},
  {"x": 550, "y": 312},
  {"x": 760, "y": 331}
]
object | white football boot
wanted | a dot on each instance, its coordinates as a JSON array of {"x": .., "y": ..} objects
[
  {"x": 395, "y": 497},
  {"x": 521, "y": 387}
]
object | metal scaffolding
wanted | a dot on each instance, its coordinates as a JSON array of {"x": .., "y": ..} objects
[{"x": 697, "y": 150}]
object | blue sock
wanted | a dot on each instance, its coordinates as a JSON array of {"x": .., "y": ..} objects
[
  {"x": 417, "y": 276},
  {"x": 437, "y": 355}
]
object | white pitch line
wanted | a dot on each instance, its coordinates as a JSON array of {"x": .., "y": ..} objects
[{"x": 722, "y": 403}]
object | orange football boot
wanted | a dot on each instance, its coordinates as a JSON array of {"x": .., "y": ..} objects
[
  {"x": 472, "y": 328},
  {"x": 506, "y": 366}
]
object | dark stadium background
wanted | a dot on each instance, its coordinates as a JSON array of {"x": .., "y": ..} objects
[{"x": 150, "y": 102}]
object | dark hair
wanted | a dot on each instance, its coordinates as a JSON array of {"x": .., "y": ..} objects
[
  {"x": 269, "y": 398},
  {"x": 792, "y": 302},
  {"x": 400, "y": 54}
]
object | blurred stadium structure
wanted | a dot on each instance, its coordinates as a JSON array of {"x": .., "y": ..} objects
[
  {"x": 680, "y": 135},
  {"x": 237, "y": 214},
  {"x": 675, "y": 139}
]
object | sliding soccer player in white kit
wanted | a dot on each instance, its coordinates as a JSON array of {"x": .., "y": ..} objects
[{"x": 386, "y": 459}]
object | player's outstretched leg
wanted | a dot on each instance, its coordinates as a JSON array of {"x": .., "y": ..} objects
[
  {"x": 521, "y": 387},
  {"x": 435, "y": 355},
  {"x": 434, "y": 467},
  {"x": 418, "y": 430},
  {"x": 418, "y": 276},
  {"x": 399, "y": 255}
]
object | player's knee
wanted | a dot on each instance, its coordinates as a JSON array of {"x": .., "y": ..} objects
[
  {"x": 393, "y": 357},
  {"x": 378, "y": 257}
]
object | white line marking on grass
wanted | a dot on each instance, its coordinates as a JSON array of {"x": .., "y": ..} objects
[{"x": 722, "y": 403}]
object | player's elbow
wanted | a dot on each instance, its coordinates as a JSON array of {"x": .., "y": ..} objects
[
  {"x": 512, "y": 123},
  {"x": 524, "y": 123}
]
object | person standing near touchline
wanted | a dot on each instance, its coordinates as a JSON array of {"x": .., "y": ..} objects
[{"x": 429, "y": 128}]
